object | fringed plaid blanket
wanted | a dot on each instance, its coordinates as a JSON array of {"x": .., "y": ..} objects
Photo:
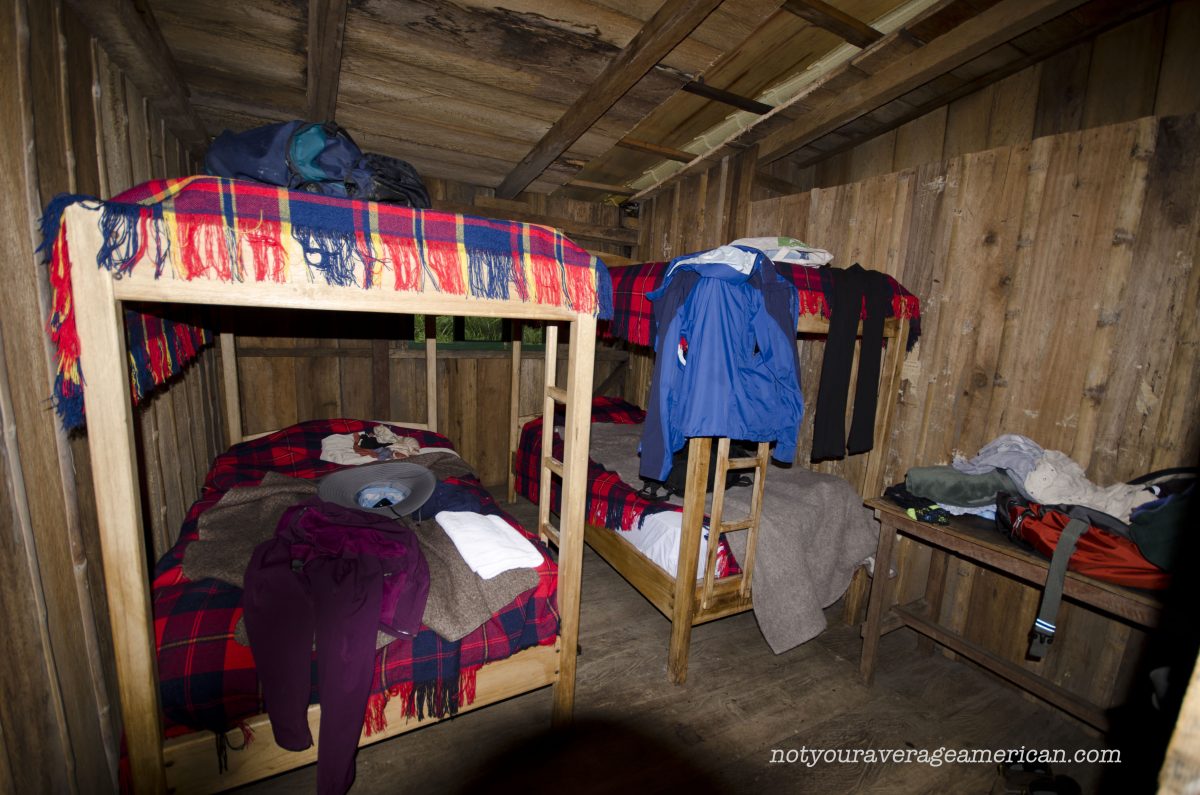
[
  {"x": 633, "y": 314},
  {"x": 611, "y": 502},
  {"x": 214, "y": 228},
  {"x": 208, "y": 680}
]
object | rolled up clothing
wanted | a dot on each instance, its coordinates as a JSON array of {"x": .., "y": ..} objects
[{"x": 949, "y": 486}]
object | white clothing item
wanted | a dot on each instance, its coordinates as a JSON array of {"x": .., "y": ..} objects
[
  {"x": 487, "y": 543},
  {"x": 741, "y": 261},
  {"x": 1058, "y": 480},
  {"x": 339, "y": 447},
  {"x": 657, "y": 537},
  {"x": 787, "y": 249}
]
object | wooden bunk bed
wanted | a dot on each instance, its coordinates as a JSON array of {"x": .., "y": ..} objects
[
  {"x": 549, "y": 279},
  {"x": 686, "y": 599}
]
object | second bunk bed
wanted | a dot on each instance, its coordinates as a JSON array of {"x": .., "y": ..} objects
[{"x": 688, "y": 579}]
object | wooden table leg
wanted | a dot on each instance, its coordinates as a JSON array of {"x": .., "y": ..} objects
[
  {"x": 875, "y": 605},
  {"x": 935, "y": 589}
]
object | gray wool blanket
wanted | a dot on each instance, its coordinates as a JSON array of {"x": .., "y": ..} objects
[
  {"x": 459, "y": 600},
  {"x": 814, "y": 533}
]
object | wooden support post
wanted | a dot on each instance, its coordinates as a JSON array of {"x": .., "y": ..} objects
[
  {"x": 431, "y": 367},
  {"x": 381, "y": 380},
  {"x": 110, "y": 441},
  {"x": 695, "y": 487},
  {"x": 878, "y": 602},
  {"x": 229, "y": 379}
]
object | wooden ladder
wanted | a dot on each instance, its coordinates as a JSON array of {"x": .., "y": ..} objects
[
  {"x": 684, "y": 608},
  {"x": 553, "y": 395},
  {"x": 750, "y": 522}
]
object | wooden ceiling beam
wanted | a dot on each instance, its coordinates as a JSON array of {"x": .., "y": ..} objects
[
  {"x": 678, "y": 155},
  {"x": 992, "y": 27},
  {"x": 616, "y": 190},
  {"x": 662, "y": 33},
  {"x": 133, "y": 42},
  {"x": 326, "y": 32},
  {"x": 839, "y": 23},
  {"x": 702, "y": 89}
]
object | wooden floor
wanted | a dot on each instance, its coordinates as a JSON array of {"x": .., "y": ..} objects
[{"x": 718, "y": 732}]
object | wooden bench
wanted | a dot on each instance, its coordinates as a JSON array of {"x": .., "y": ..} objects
[{"x": 986, "y": 547}]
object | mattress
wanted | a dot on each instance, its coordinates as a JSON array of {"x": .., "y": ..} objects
[
  {"x": 653, "y": 527},
  {"x": 207, "y": 678}
]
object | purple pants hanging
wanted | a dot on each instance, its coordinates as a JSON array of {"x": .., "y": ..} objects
[{"x": 335, "y": 575}]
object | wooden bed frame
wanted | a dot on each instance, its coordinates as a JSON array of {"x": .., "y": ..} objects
[
  {"x": 711, "y": 598},
  {"x": 186, "y": 764}
]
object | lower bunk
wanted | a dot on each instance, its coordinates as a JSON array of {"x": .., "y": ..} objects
[
  {"x": 209, "y": 684},
  {"x": 812, "y": 534}
]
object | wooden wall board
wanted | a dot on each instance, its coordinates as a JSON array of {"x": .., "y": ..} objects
[
  {"x": 1012, "y": 114},
  {"x": 1113, "y": 77},
  {"x": 1124, "y": 70},
  {"x": 1062, "y": 91},
  {"x": 1178, "y": 91},
  {"x": 920, "y": 140},
  {"x": 38, "y": 757},
  {"x": 1154, "y": 425}
]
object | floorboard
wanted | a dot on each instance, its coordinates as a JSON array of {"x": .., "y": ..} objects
[{"x": 718, "y": 732}]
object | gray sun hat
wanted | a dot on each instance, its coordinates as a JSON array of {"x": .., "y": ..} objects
[{"x": 388, "y": 488}]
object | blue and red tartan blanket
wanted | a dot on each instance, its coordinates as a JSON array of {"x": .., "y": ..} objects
[
  {"x": 611, "y": 502},
  {"x": 633, "y": 314},
  {"x": 207, "y": 679},
  {"x": 235, "y": 231}
]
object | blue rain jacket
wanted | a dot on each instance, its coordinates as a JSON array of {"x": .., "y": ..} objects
[{"x": 726, "y": 362}]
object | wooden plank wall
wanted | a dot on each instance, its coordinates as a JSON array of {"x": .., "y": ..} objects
[
  {"x": 75, "y": 124},
  {"x": 283, "y": 381},
  {"x": 1146, "y": 67},
  {"x": 1059, "y": 295}
]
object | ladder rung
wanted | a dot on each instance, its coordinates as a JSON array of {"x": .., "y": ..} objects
[
  {"x": 547, "y": 530},
  {"x": 553, "y": 464},
  {"x": 741, "y": 524},
  {"x": 557, "y": 393}
]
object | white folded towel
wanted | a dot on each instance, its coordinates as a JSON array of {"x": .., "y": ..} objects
[{"x": 488, "y": 544}]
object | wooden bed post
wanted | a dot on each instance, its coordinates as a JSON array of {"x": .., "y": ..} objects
[
  {"x": 889, "y": 385},
  {"x": 580, "y": 371},
  {"x": 695, "y": 492},
  {"x": 233, "y": 397},
  {"x": 431, "y": 364},
  {"x": 110, "y": 442}
]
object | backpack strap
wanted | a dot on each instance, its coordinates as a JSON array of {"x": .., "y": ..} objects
[{"x": 1042, "y": 634}]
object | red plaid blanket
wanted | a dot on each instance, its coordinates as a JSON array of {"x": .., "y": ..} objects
[
  {"x": 234, "y": 231},
  {"x": 633, "y": 314},
  {"x": 611, "y": 502},
  {"x": 208, "y": 680}
]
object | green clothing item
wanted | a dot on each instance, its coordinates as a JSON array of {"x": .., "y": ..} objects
[{"x": 947, "y": 485}]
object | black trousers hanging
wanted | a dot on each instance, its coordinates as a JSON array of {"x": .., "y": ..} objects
[{"x": 852, "y": 287}]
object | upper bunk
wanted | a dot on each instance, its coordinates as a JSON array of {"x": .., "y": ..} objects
[
  {"x": 220, "y": 242},
  {"x": 633, "y": 312}
]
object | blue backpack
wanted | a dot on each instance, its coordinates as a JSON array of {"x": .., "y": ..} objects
[{"x": 320, "y": 158}]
